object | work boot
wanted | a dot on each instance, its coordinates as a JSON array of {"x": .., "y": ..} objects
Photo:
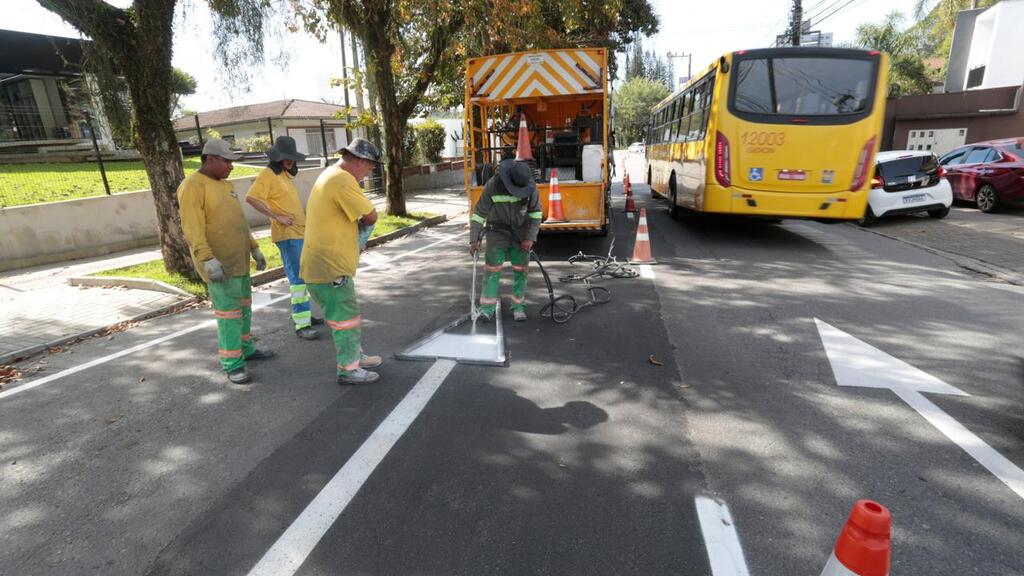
[
  {"x": 307, "y": 333},
  {"x": 366, "y": 361},
  {"x": 239, "y": 376},
  {"x": 259, "y": 354},
  {"x": 316, "y": 321},
  {"x": 358, "y": 376},
  {"x": 484, "y": 315},
  {"x": 519, "y": 315}
]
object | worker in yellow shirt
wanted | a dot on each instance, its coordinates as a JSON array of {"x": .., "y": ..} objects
[
  {"x": 220, "y": 241},
  {"x": 331, "y": 254},
  {"x": 274, "y": 195}
]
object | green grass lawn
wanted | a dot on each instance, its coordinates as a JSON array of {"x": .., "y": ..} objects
[
  {"x": 53, "y": 181},
  {"x": 154, "y": 269}
]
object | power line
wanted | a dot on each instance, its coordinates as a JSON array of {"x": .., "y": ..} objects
[
  {"x": 823, "y": 10},
  {"x": 834, "y": 12}
]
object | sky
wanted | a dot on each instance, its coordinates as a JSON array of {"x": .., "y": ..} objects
[{"x": 705, "y": 29}]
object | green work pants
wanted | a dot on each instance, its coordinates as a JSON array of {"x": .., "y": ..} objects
[
  {"x": 494, "y": 257},
  {"x": 232, "y": 306},
  {"x": 341, "y": 313}
]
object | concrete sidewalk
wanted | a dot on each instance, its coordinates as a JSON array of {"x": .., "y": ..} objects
[{"x": 38, "y": 309}]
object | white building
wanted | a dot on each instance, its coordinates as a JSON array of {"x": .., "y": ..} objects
[
  {"x": 300, "y": 119},
  {"x": 988, "y": 48}
]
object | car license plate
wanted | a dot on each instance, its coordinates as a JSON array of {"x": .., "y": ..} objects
[{"x": 913, "y": 198}]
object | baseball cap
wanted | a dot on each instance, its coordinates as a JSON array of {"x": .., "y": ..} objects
[{"x": 218, "y": 147}]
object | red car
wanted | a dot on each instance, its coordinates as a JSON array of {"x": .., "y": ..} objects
[{"x": 990, "y": 174}]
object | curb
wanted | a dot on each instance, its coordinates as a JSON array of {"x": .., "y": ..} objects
[
  {"x": 966, "y": 262},
  {"x": 258, "y": 279},
  {"x": 124, "y": 282}
]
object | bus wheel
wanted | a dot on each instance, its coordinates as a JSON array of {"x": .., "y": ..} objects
[{"x": 673, "y": 207}]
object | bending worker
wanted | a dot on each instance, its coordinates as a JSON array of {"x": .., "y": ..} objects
[
  {"x": 331, "y": 254},
  {"x": 510, "y": 204},
  {"x": 274, "y": 195},
  {"x": 220, "y": 241}
]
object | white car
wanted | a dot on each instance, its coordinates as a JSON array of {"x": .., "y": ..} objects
[
  {"x": 637, "y": 148},
  {"x": 905, "y": 182}
]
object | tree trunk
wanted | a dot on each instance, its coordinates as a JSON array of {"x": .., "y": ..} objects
[
  {"x": 149, "y": 75},
  {"x": 394, "y": 129}
]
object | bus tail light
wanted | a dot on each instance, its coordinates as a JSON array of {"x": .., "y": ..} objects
[
  {"x": 860, "y": 174},
  {"x": 722, "y": 171}
]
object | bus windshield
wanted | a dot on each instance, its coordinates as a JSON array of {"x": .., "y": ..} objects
[{"x": 803, "y": 86}]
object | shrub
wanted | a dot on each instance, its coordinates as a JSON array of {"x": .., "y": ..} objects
[
  {"x": 254, "y": 144},
  {"x": 430, "y": 137}
]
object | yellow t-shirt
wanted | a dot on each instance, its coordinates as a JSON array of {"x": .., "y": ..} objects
[
  {"x": 279, "y": 194},
  {"x": 214, "y": 224},
  {"x": 331, "y": 248}
]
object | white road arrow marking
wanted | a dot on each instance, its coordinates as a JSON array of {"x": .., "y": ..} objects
[{"x": 856, "y": 363}]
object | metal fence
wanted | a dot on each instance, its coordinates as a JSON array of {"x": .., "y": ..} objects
[
  {"x": 62, "y": 153},
  {"x": 50, "y": 153}
]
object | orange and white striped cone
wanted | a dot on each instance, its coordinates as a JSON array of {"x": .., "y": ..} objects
[
  {"x": 630, "y": 204},
  {"x": 862, "y": 548},
  {"x": 642, "y": 246},
  {"x": 626, "y": 186},
  {"x": 555, "y": 213},
  {"x": 523, "y": 149}
]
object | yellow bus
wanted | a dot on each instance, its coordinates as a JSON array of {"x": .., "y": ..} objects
[
  {"x": 778, "y": 132},
  {"x": 563, "y": 95}
]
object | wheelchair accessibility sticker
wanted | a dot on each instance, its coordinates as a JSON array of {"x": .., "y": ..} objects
[{"x": 756, "y": 174}]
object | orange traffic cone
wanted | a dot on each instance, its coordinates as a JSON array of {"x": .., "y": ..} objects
[
  {"x": 630, "y": 205},
  {"x": 523, "y": 149},
  {"x": 555, "y": 213},
  {"x": 642, "y": 246},
  {"x": 862, "y": 548},
  {"x": 626, "y": 185}
]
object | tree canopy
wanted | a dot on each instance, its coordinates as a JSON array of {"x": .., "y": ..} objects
[{"x": 633, "y": 104}]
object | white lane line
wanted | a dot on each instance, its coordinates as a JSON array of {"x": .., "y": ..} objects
[
  {"x": 125, "y": 352},
  {"x": 646, "y": 271},
  {"x": 293, "y": 547},
  {"x": 724, "y": 551},
  {"x": 259, "y": 301}
]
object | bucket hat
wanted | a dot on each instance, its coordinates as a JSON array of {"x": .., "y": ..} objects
[
  {"x": 363, "y": 148},
  {"x": 517, "y": 177},
  {"x": 284, "y": 149}
]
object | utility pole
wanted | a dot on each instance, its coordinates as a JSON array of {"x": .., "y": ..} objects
[
  {"x": 796, "y": 24},
  {"x": 355, "y": 66},
  {"x": 344, "y": 78}
]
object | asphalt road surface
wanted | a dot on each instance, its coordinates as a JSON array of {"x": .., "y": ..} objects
[{"x": 706, "y": 384}]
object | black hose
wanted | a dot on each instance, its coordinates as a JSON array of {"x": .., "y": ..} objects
[{"x": 559, "y": 308}]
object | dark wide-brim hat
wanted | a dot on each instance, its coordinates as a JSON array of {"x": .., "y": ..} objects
[
  {"x": 517, "y": 177},
  {"x": 363, "y": 148},
  {"x": 284, "y": 149}
]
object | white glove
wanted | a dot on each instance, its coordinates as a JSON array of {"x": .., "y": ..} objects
[
  {"x": 261, "y": 262},
  {"x": 214, "y": 270}
]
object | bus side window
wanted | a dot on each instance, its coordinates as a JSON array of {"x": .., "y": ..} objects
[
  {"x": 709, "y": 85},
  {"x": 698, "y": 113}
]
